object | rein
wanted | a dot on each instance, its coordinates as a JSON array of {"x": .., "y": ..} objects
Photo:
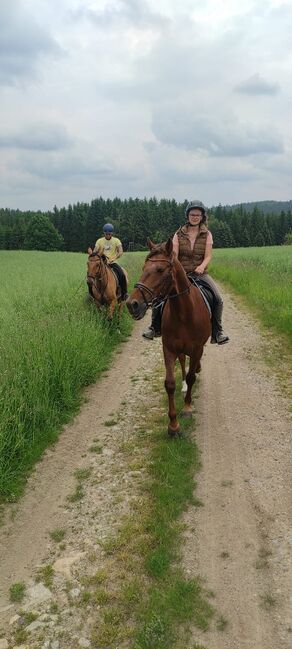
[{"x": 159, "y": 300}]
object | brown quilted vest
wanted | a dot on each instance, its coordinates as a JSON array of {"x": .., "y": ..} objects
[{"x": 191, "y": 258}]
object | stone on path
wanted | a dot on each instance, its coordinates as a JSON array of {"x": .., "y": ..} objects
[
  {"x": 63, "y": 566},
  {"x": 37, "y": 595}
]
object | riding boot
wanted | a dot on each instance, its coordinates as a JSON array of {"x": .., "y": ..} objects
[
  {"x": 154, "y": 331},
  {"x": 124, "y": 287},
  {"x": 218, "y": 335}
]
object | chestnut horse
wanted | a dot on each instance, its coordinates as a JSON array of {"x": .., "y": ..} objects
[
  {"x": 186, "y": 324},
  {"x": 102, "y": 283}
]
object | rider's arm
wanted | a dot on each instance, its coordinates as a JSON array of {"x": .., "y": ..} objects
[
  {"x": 98, "y": 247},
  {"x": 119, "y": 251},
  {"x": 175, "y": 244}
]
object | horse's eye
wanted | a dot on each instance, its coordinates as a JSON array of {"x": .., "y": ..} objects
[{"x": 160, "y": 270}]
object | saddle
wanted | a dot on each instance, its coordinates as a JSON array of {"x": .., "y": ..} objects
[{"x": 205, "y": 290}]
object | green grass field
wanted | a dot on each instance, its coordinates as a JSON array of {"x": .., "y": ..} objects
[
  {"x": 52, "y": 344},
  {"x": 263, "y": 276}
]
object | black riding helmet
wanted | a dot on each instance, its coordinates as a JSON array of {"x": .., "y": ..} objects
[{"x": 196, "y": 205}]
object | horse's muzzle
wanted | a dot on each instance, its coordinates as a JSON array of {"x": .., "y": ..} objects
[{"x": 137, "y": 309}]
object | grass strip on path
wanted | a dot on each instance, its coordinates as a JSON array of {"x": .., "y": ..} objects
[{"x": 154, "y": 603}]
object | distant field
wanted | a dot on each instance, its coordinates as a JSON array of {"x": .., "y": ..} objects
[
  {"x": 264, "y": 277},
  {"x": 52, "y": 343}
]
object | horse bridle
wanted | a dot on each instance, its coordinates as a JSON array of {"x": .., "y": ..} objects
[
  {"x": 159, "y": 300},
  {"x": 103, "y": 275}
]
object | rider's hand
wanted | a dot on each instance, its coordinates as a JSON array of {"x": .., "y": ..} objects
[{"x": 200, "y": 269}]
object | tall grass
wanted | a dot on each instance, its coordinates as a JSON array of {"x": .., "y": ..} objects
[
  {"x": 263, "y": 276},
  {"x": 52, "y": 343}
]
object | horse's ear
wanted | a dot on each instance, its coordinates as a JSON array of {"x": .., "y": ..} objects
[
  {"x": 90, "y": 251},
  {"x": 104, "y": 258},
  {"x": 150, "y": 244},
  {"x": 169, "y": 246}
]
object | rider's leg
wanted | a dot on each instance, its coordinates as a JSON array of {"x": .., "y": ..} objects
[
  {"x": 218, "y": 335},
  {"x": 154, "y": 331},
  {"x": 123, "y": 285}
]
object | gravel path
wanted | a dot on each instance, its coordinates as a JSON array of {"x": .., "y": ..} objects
[{"x": 240, "y": 541}]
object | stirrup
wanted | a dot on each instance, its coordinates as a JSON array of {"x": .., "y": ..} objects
[{"x": 150, "y": 333}]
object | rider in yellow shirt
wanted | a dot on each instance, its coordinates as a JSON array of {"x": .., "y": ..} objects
[{"x": 112, "y": 248}]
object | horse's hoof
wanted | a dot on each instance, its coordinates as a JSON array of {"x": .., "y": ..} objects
[
  {"x": 172, "y": 432},
  {"x": 187, "y": 414}
]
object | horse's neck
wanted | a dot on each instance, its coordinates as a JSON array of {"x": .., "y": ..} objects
[
  {"x": 102, "y": 278},
  {"x": 181, "y": 281}
]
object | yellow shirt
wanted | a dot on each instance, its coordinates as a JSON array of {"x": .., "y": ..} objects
[{"x": 108, "y": 247}]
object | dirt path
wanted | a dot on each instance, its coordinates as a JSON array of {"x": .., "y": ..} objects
[{"x": 240, "y": 541}]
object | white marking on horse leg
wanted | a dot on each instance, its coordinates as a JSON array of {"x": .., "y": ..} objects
[{"x": 184, "y": 386}]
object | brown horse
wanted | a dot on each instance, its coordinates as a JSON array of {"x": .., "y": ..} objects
[
  {"x": 186, "y": 324},
  {"x": 102, "y": 283}
]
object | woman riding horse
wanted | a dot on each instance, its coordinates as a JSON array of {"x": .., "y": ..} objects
[
  {"x": 186, "y": 324},
  {"x": 193, "y": 245}
]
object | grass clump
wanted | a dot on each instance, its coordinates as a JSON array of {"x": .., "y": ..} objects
[
  {"x": 46, "y": 575},
  {"x": 221, "y": 623},
  {"x": 57, "y": 535},
  {"x": 17, "y": 591},
  {"x": 83, "y": 474},
  {"x": 96, "y": 448},
  {"x": 77, "y": 495},
  {"x": 268, "y": 601},
  {"x": 110, "y": 422}
]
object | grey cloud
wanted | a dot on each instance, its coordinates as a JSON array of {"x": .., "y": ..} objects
[
  {"x": 214, "y": 136},
  {"x": 22, "y": 42},
  {"x": 131, "y": 11},
  {"x": 39, "y": 137},
  {"x": 256, "y": 85},
  {"x": 59, "y": 168}
]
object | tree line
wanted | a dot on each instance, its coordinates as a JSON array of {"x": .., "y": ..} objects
[{"x": 75, "y": 227}]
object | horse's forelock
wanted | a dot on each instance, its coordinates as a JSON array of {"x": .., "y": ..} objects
[{"x": 159, "y": 249}]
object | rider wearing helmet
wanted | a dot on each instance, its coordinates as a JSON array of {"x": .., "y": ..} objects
[
  {"x": 112, "y": 248},
  {"x": 193, "y": 244}
]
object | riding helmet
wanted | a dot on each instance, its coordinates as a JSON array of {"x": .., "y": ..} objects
[
  {"x": 108, "y": 227},
  {"x": 195, "y": 205}
]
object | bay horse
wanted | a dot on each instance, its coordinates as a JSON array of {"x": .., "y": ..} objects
[
  {"x": 103, "y": 285},
  {"x": 186, "y": 324}
]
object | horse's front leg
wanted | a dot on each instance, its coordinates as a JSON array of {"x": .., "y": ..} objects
[
  {"x": 195, "y": 366},
  {"x": 169, "y": 359},
  {"x": 111, "y": 308}
]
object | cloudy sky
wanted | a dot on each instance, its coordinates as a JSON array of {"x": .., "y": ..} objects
[{"x": 189, "y": 99}]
